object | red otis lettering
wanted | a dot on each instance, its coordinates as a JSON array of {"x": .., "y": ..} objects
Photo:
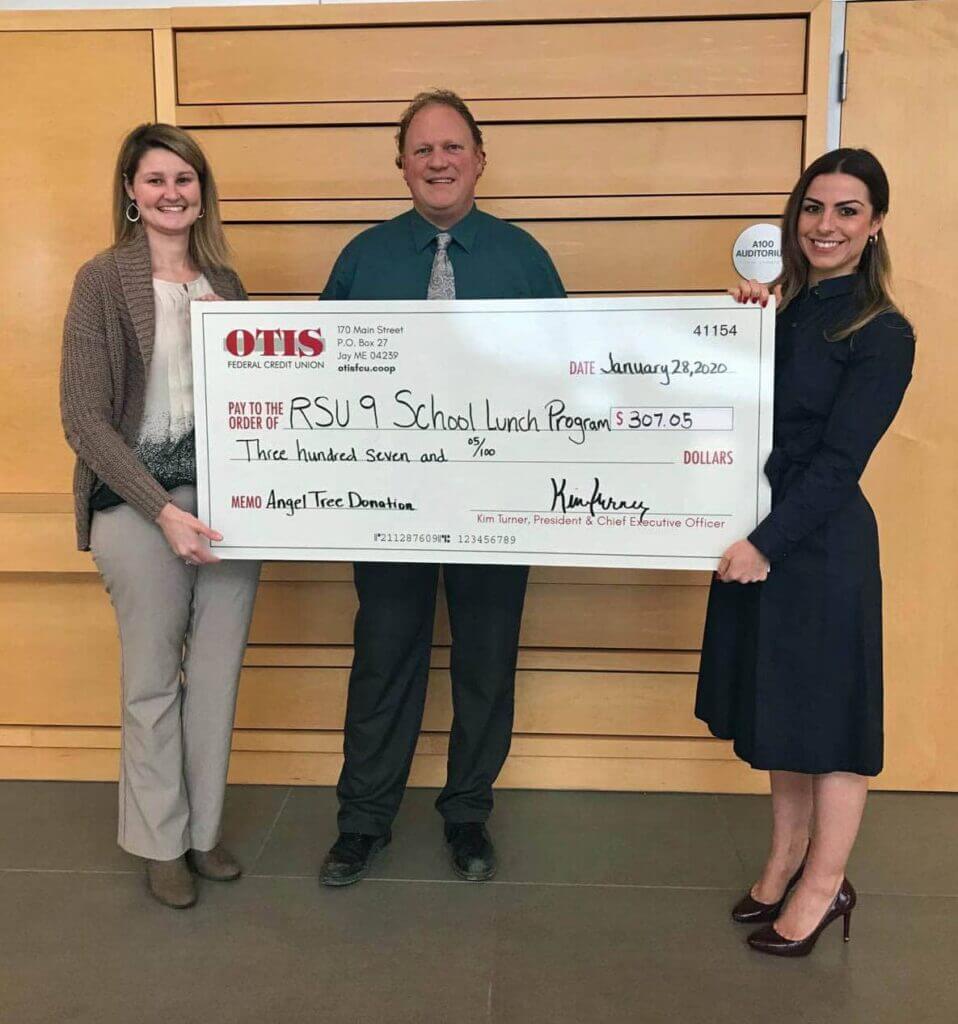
[
  {"x": 240, "y": 343},
  {"x": 267, "y": 342},
  {"x": 311, "y": 343},
  {"x": 289, "y": 342}
]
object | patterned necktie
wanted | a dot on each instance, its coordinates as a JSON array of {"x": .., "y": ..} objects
[{"x": 442, "y": 280}]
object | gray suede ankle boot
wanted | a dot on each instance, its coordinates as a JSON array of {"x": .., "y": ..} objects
[
  {"x": 217, "y": 864},
  {"x": 170, "y": 882}
]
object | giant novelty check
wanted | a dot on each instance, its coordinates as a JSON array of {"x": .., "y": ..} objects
[{"x": 602, "y": 432}]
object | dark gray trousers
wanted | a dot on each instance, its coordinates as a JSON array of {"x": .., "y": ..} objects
[{"x": 387, "y": 686}]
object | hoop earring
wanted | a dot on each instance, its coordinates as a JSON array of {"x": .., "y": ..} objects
[
  {"x": 201, "y": 214},
  {"x": 132, "y": 206}
]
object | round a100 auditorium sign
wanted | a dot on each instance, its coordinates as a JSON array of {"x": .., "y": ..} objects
[{"x": 757, "y": 253}]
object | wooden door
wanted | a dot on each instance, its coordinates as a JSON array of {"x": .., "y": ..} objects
[{"x": 903, "y": 105}]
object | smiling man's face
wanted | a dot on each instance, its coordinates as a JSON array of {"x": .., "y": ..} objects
[{"x": 441, "y": 164}]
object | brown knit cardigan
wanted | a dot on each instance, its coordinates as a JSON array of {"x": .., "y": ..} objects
[{"x": 107, "y": 347}]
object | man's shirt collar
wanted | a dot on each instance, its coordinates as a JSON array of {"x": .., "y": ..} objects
[{"x": 463, "y": 233}]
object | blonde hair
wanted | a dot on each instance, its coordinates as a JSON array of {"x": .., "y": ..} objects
[
  {"x": 873, "y": 284},
  {"x": 208, "y": 246}
]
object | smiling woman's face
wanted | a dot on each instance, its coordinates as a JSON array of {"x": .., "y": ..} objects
[
  {"x": 167, "y": 191},
  {"x": 834, "y": 225}
]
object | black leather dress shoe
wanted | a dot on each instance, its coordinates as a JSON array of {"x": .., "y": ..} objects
[
  {"x": 350, "y": 856},
  {"x": 473, "y": 855}
]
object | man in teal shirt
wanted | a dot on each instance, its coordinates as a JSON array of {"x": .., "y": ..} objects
[
  {"x": 444, "y": 248},
  {"x": 492, "y": 259}
]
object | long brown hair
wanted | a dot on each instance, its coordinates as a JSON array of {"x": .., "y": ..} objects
[
  {"x": 873, "y": 284},
  {"x": 208, "y": 246}
]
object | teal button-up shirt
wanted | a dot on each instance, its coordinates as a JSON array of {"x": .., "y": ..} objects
[{"x": 491, "y": 258}]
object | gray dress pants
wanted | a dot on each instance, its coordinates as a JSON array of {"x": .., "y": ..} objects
[{"x": 182, "y": 634}]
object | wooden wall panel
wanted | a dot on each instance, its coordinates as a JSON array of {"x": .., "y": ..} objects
[
  {"x": 904, "y": 58},
  {"x": 34, "y": 539},
  {"x": 546, "y": 659},
  {"x": 343, "y": 572},
  {"x": 61, "y": 656},
  {"x": 758, "y": 205},
  {"x": 607, "y": 159},
  {"x": 48, "y": 682},
  {"x": 598, "y": 615},
  {"x": 314, "y": 758},
  {"x": 547, "y": 703},
  {"x": 635, "y": 141},
  {"x": 618, "y": 58},
  {"x": 591, "y": 255},
  {"x": 511, "y": 110},
  {"x": 55, "y": 179}
]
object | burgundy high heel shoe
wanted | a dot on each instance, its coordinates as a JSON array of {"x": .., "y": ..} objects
[
  {"x": 749, "y": 910},
  {"x": 767, "y": 940}
]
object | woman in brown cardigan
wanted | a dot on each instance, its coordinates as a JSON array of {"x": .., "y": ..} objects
[{"x": 127, "y": 406}]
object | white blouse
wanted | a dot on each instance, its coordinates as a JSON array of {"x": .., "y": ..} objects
[
  {"x": 166, "y": 442},
  {"x": 168, "y": 406}
]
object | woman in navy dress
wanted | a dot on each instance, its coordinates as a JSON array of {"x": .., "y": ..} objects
[{"x": 791, "y": 665}]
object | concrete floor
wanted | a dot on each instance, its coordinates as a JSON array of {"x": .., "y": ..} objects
[{"x": 606, "y": 908}]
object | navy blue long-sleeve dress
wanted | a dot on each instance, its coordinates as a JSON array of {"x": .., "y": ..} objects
[{"x": 791, "y": 668}]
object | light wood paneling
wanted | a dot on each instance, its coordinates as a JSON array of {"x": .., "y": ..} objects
[
  {"x": 652, "y": 617},
  {"x": 164, "y": 75},
  {"x": 626, "y": 774},
  {"x": 641, "y": 255},
  {"x": 38, "y": 542},
  {"x": 630, "y": 255},
  {"x": 66, "y": 20},
  {"x": 478, "y": 11},
  {"x": 513, "y": 110},
  {"x": 61, "y": 657},
  {"x": 764, "y": 205},
  {"x": 634, "y": 138},
  {"x": 315, "y": 758},
  {"x": 547, "y": 703},
  {"x": 903, "y": 59},
  {"x": 325, "y": 742},
  {"x": 343, "y": 571},
  {"x": 55, "y": 179},
  {"x": 587, "y": 159},
  {"x": 818, "y": 81},
  {"x": 565, "y": 659},
  {"x": 627, "y": 58}
]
